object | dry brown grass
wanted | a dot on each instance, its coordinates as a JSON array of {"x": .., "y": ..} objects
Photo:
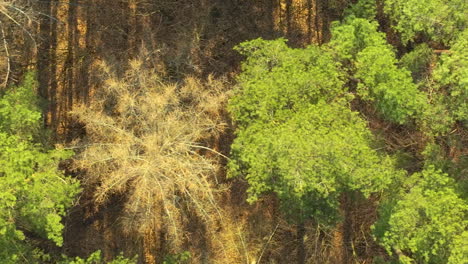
[{"x": 144, "y": 142}]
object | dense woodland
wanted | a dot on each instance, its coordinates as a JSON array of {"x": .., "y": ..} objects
[{"x": 233, "y": 131}]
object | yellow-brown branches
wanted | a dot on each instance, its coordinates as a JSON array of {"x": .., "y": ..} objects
[{"x": 144, "y": 140}]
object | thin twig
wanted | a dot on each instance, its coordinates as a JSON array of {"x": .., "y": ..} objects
[
  {"x": 20, "y": 11},
  {"x": 243, "y": 245},
  {"x": 19, "y": 25},
  {"x": 266, "y": 244},
  {"x": 5, "y": 45},
  {"x": 206, "y": 148}
]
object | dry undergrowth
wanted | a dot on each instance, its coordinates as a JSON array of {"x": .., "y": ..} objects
[
  {"x": 144, "y": 140},
  {"x": 14, "y": 15}
]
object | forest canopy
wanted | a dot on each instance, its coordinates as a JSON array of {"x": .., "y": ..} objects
[{"x": 208, "y": 131}]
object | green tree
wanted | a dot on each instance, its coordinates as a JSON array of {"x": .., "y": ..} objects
[
  {"x": 363, "y": 9},
  {"x": 308, "y": 161},
  {"x": 372, "y": 65},
  {"x": 391, "y": 88},
  {"x": 277, "y": 80},
  {"x": 439, "y": 20},
  {"x": 34, "y": 192},
  {"x": 354, "y": 35},
  {"x": 418, "y": 61},
  {"x": 296, "y": 135},
  {"x": 426, "y": 222},
  {"x": 451, "y": 76},
  {"x": 447, "y": 88}
]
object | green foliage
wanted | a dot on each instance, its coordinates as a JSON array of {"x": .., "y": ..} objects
[
  {"x": 354, "y": 35},
  {"x": 309, "y": 160},
  {"x": 297, "y": 137},
  {"x": 434, "y": 156},
  {"x": 180, "y": 258},
  {"x": 459, "y": 249},
  {"x": 396, "y": 96},
  {"x": 19, "y": 111},
  {"x": 34, "y": 193},
  {"x": 448, "y": 90},
  {"x": 436, "y": 120},
  {"x": 300, "y": 141},
  {"x": 417, "y": 61},
  {"x": 276, "y": 80},
  {"x": 363, "y": 9},
  {"x": 426, "y": 222},
  {"x": 451, "y": 75},
  {"x": 372, "y": 62},
  {"x": 440, "y": 20}
]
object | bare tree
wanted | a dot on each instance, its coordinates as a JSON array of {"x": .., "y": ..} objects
[{"x": 144, "y": 141}]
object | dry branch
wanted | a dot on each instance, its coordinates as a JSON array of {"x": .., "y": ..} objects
[{"x": 7, "y": 53}]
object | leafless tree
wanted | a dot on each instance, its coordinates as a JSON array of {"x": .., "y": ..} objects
[{"x": 144, "y": 140}]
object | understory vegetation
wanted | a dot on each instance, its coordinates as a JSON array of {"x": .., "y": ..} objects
[{"x": 303, "y": 132}]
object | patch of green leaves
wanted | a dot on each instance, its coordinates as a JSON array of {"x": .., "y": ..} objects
[
  {"x": 451, "y": 76},
  {"x": 371, "y": 62},
  {"x": 34, "y": 193},
  {"x": 439, "y": 20},
  {"x": 179, "y": 258},
  {"x": 363, "y": 9},
  {"x": 277, "y": 80},
  {"x": 426, "y": 221},
  {"x": 309, "y": 160},
  {"x": 418, "y": 61}
]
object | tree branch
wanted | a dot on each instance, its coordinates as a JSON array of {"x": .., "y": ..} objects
[{"x": 5, "y": 45}]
